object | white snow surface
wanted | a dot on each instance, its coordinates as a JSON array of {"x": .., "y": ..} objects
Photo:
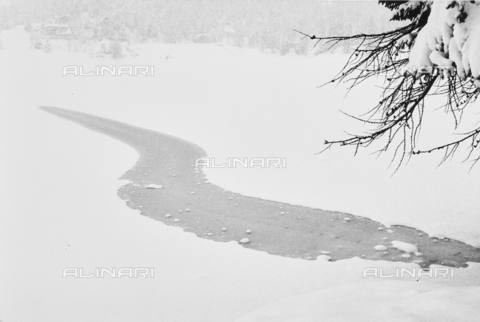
[
  {"x": 246, "y": 104},
  {"x": 60, "y": 207}
]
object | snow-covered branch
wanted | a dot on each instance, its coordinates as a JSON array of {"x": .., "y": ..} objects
[{"x": 437, "y": 53}]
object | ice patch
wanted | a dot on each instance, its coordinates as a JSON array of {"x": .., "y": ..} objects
[
  {"x": 153, "y": 186},
  {"x": 405, "y": 247}
]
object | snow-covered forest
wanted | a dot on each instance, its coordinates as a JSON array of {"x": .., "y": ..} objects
[{"x": 264, "y": 24}]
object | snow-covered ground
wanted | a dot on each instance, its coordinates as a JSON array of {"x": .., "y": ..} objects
[{"x": 60, "y": 208}]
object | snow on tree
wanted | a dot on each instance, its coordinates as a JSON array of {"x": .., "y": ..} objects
[{"x": 436, "y": 53}]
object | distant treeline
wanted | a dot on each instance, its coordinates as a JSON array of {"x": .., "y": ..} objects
[{"x": 264, "y": 24}]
